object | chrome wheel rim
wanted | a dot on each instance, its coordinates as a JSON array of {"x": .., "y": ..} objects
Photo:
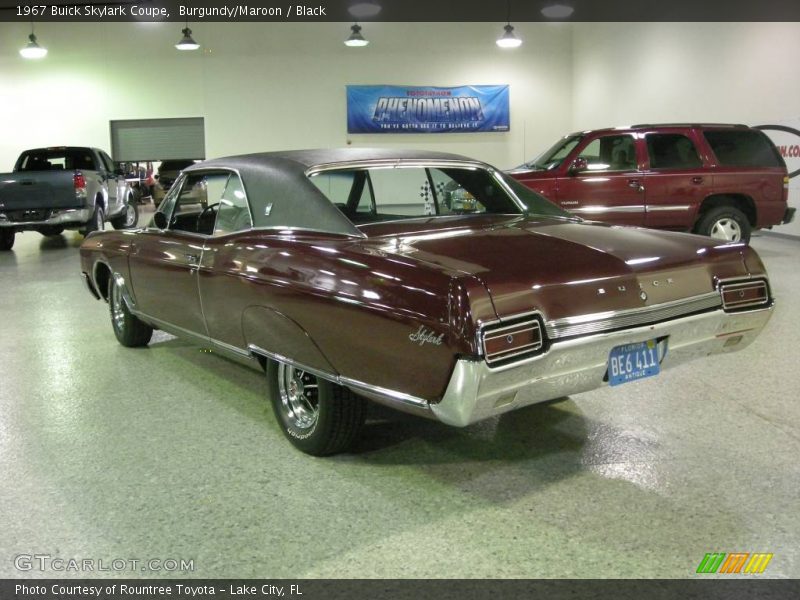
[
  {"x": 727, "y": 229},
  {"x": 130, "y": 215},
  {"x": 117, "y": 308},
  {"x": 299, "y": 392}
]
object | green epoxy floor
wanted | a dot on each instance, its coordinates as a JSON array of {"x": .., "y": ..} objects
[{"x": 172, "y": 453}]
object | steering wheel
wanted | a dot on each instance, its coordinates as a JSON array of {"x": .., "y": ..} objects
[{"x": 208, "y": 209}]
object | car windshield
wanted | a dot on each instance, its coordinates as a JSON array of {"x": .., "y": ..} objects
[
  {"x": 368, "y": 195},
  {"x": 553, "y": 157}
]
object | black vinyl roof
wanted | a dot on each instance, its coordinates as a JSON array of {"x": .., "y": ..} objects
[{"x": 281, "y": 196}]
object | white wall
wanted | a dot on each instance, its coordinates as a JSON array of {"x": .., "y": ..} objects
[
  {"x": 273, "y": 86},
  {"x": 625, "y": 73}
]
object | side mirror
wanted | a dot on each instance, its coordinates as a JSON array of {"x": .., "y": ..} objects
[
  {"x": 578, "y": 165},
  {"x": 160, "y": 220}
]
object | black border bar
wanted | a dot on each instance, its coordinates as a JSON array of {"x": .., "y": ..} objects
[
  {"x": 736, "y": 587},
  {"x": 403, "y": 10}
]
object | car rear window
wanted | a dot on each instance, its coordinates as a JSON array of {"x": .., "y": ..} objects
[{"x": 743, "y": 148}]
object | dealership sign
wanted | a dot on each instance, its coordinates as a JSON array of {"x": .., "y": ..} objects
[
  {"x": 404, "y": 109},
  {"x": 786, "y": 137}
]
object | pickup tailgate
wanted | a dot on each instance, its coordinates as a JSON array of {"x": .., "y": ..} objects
[{"x": 31, "y": 190}]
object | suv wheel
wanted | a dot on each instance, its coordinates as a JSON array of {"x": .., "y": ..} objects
[{"x": 725, "y": 223}]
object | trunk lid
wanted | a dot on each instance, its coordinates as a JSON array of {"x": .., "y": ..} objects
[{"x": 566, "y": 269}]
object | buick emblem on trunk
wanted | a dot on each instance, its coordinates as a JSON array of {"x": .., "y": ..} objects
[{"x": 422, "y": 336}]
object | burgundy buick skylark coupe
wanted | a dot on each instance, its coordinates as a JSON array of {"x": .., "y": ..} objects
[{"x": 428, "y": 282}]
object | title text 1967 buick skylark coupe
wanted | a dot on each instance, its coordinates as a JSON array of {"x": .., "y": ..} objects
[{"x": 425, "y": 281}]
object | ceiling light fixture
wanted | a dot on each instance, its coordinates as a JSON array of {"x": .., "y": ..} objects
[
  {"x": 508, "y": 39},
  {"x": 356, "y": 39},
  {"x": 187, "y": 42},
  {"x": 364, "y": 10},
  {"x": 557, "y": 11},
  {"x": 32, "y": 49}
]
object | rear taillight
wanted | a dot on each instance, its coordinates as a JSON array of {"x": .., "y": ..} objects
[
  {"x": 511, "y": 340},
  {"x": 79, "y": 183},
  {"x": 739, "y": 295}
]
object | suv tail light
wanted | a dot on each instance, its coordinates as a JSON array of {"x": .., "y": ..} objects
[
  {"x": 514, "y": 339},
  {"x": 744, "y": 294},
  {"x": 79, "y": 183}
]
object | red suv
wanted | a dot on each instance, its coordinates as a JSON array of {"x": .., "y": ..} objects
[{"x": 717, "y": 180}]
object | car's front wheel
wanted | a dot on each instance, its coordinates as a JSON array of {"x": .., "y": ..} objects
[
  {"x": 726, "y": 223},
  {"x": 130, "y": 331},
  {"x": 317, "y": 416},
  {"x": 7, "y": 238}
]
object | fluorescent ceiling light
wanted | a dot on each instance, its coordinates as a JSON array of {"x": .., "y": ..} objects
[
  {"x": 33, "y": 49},
  {"x": 508, "y": 39},
  {"x": 557, "y": 11},
  {"x": 356, "y": 39},
  {"x": 187, "y": 42}
]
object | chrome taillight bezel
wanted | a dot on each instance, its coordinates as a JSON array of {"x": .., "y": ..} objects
[
  {"x": 744, "y": 294},
  {"x": 530, "y": 323}
]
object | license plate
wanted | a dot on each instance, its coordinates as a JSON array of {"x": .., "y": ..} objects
[{"x": 633, "y": 361}]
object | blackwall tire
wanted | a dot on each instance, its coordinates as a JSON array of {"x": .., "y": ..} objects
[
  {"x": 128, "y": 219},
  {"x": 726, "y": 223},
  {"x": 129, "y": 330},
  {"x": 7, "y": 239},
  {"x": 318, "y": 417},
  {"x": 51, "y": 231},
  {"x": 97, "y": 222}
]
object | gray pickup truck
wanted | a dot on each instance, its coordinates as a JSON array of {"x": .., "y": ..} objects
[{"x": 67, "y": 187}]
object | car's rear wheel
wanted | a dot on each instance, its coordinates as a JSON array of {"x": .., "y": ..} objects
[
  {"x": 129, "y": 218},
  {"x": 130, "y": 331},
  {"x": 317, "y": 416},
  {"x": 726, "y": 223},
  {"x": 7, "y": 238}
]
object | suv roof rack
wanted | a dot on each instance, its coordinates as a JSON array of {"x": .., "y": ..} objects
[{"x": 645, "y": 125}]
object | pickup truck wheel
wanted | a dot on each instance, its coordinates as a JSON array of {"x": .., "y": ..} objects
[
  {"x": 128, "y": 219},
  {"x": 318, "y": 417},
  {"x": 97, "y": 222},
  {"x": 51, "y": 231},
  {"x": 130, "y": 331},
  {"x": 7, "y": 239},
  {"x": 725, "y": 223}
]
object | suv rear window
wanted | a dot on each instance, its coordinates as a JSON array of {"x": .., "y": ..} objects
[
  {"x": 672, "y": 151},
  {"x": 743, "y": 148}
]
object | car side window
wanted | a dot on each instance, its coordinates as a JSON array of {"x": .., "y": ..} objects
[
  {"x": 196, "y": 203},
  {"x": 672, "y": 151},
  {"x": 610, "y": 153},
  {"x": 233, "y": 213}
]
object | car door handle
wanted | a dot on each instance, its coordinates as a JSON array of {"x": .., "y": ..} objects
[
  {"x": 192, "y": 258},
  {"x": 697, "y": 180},
  {"x": 636, "y": 184}
]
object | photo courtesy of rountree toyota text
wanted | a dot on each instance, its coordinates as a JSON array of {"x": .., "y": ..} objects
[{"x": 380, "y": 299}]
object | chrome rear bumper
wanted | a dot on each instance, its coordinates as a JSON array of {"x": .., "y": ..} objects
[{"x": 576, "y": 365}]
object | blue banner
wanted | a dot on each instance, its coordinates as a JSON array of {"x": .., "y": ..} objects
[{"x": 405, "y": 109}]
